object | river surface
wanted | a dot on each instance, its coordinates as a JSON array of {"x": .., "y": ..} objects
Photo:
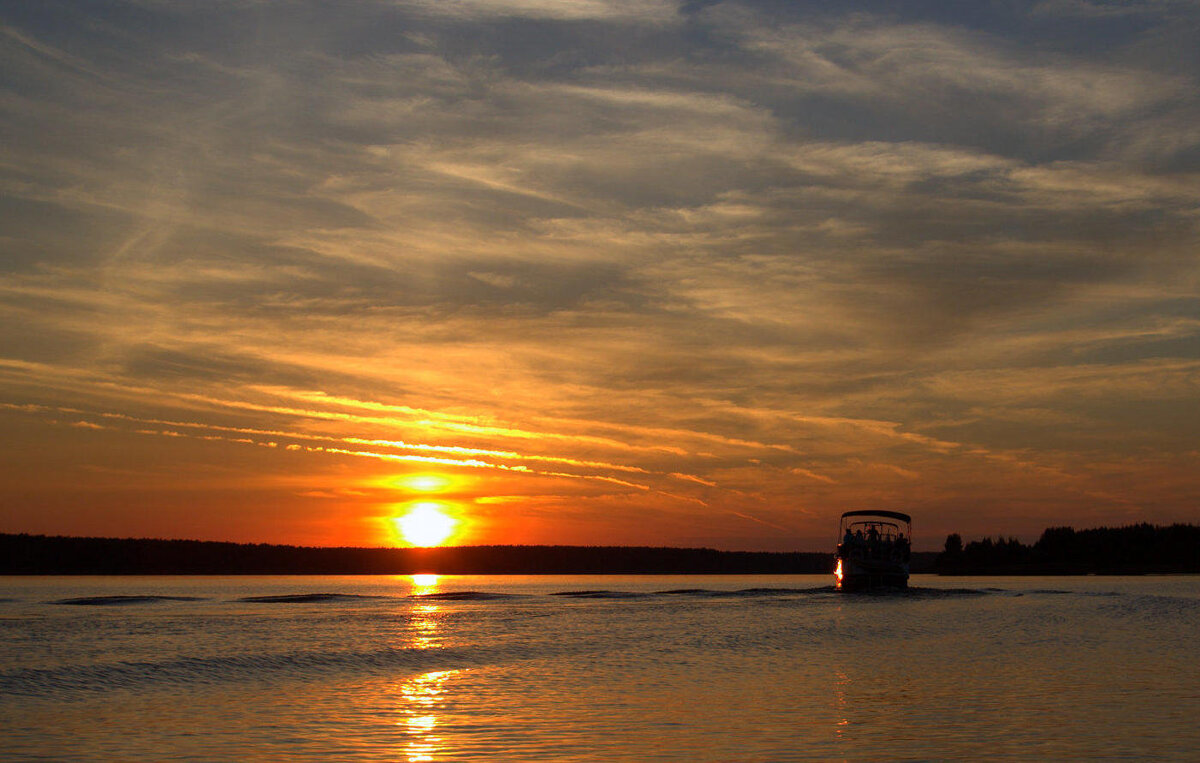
[{"x": 594, "y": 668}]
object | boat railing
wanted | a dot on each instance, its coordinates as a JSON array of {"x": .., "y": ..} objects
[{"x": 875, "y": 543}]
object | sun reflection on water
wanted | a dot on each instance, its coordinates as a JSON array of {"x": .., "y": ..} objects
[
  {"x": 423, "y": 696},
  {"x": 841, "y": 706},
  {"x": 424, "y": 583},
  {"x": 425, "y": 627},
  {"x": 423, "y": 617}
]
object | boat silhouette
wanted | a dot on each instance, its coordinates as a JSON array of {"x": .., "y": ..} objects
[{"x": 874, "y": 550}]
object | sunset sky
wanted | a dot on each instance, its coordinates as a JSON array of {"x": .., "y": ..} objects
[{"x": 597, "y": 271}]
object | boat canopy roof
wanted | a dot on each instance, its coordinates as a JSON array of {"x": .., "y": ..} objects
[{"x": 869, "y": 513}]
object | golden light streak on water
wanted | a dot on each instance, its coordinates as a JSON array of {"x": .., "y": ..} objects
[
  {"x": 842, "y": 724},
  {"x": 425, "y": 631},
  {"x": 422, "y": 698}
]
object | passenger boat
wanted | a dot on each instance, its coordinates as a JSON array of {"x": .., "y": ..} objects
[{"x": 874, "y": 551}]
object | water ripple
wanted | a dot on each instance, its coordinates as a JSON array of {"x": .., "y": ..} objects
[
  {"x": 601, "y": 594},
  {"x": 120, "y": 601},
  {"x": 308, "y": 598},
  {"x": 463, "y": 596},
  {"x": 221, "y": 670}
]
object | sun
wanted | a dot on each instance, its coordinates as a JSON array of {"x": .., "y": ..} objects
[{"x": 425, "y": 524}]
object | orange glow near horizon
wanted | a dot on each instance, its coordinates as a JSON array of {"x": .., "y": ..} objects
[
  {"x": 425, "y": 524},
  {"x": 424, "y": 482}
]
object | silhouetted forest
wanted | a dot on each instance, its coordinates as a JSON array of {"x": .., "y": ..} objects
[
  {"x": 1134, "y": 549},
  {"x": 58, "y": 555},
  {"x": 1130, "y": 550}
]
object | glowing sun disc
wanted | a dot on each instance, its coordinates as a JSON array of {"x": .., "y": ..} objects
[{"x": 425, "y": 525}]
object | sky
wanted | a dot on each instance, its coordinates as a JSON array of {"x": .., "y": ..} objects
[{"x": 597, "y": 271}]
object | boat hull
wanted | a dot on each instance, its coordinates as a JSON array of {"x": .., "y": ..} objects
[
  {"x": 893, "y": 581},
  {"x": 859, "y": 575}
]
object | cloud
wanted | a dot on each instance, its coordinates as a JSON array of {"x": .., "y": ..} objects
[
  {"x": 572, "y": 10},
  {"x": 761, "y": 256}
]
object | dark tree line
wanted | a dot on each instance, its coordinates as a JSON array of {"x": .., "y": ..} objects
[
  {"x": 1133, "y": 549},
  {"x": 58, "y": 555}
]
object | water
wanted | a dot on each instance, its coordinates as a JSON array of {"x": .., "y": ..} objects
[{"x": 745, "y": 668}]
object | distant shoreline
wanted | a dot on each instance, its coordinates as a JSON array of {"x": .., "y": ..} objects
[
  {"x": 24, "y": 554},
  {"x": 1141, "y": 549},
  {"x": 1134, "y": 550}
]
